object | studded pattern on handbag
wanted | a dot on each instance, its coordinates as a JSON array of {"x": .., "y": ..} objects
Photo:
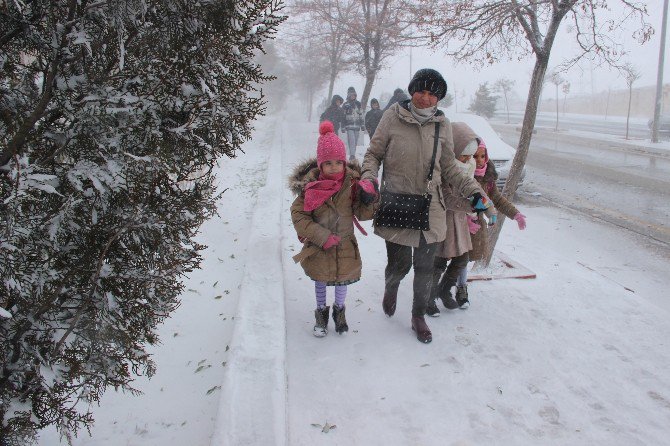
[
  {"x": 409, "y": 211},
  {"x": 404, "y": 211}
]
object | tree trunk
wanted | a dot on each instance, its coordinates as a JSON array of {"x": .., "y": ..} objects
[
  {"x": 331, "y": 84},
  {"x": 369, "y": 81},
  {"x": 519, "y": 160}
]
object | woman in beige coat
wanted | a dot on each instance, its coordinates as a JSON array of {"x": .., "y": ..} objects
[{"x": 403, "y": 146}]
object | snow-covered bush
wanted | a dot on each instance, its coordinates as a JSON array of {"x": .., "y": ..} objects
[{"x": 112, "y": 115}]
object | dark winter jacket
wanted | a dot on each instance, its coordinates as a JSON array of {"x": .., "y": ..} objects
[
  {"x": 397, "y": 97},
  {"x": 353, "y": 115},
  {"x": 372, "y": 119},
  {"x": 488, "y": 183},
  {"x": 342, "y": 263},
  {"x": 334, "y": 113}
]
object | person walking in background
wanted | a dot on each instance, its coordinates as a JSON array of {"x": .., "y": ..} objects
[
  {"x": 324, "y": 213},
  {"x": 398, "y": 96},
  {"x": 452, "y": 256},
  {"x": 372, "y": 117},
  {"x": 413, "y": 144},
  {"x": 353, "y": 121},
  {"x": 334, "y": 113},
  {"x": 486, "y": 176}
]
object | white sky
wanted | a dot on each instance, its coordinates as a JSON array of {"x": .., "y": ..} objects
[{"x": 584, "y": 79}]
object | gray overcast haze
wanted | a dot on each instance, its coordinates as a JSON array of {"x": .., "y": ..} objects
[{"x": 464, "y": 78}]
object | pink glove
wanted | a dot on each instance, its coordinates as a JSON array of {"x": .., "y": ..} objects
[
  {"x": 367, "y": 186},
  {"x": 520, "y": 220},
  {"x": 369, "y": 191},
  {"x": 333, "y": 240},
  {"x": 472, "y": 226}
]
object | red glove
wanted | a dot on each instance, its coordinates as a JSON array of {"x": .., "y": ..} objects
[
  {"x": 520, "y": 220},
  {"x": 472, "y": 226},
  {"x": 302, "y": 239},
  {"x": 333, "y": 240}
]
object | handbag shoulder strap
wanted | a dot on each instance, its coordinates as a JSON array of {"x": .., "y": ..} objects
[
  {"x": 437, "y": 140},
  {"x": 432, "y": 161}
]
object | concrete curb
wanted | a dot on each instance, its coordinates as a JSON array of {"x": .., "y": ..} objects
[{"x": 252, "y": 407}]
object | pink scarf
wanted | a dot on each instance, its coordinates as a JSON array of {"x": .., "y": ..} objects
[
  {"x": 480, "y": 172},
  {"x": 317, "y": 192}
]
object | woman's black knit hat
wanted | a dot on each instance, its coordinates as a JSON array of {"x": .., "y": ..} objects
[{"x": 428, "y": 79}]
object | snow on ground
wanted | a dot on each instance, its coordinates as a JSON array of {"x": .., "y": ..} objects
[
  {"x": 180, "y": 402},
  {"x": 577, "y": 356}
]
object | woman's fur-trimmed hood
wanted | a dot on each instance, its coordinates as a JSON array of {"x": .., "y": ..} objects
[{"x": 308, "y": 171}]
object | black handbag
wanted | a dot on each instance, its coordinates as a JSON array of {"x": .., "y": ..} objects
[{"x": 409, "y": 211}]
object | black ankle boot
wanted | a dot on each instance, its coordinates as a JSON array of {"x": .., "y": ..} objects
[
  {"x": 321, "y": 324},
  {"x": 389, "y": 303},
  {"x": 339, "y": 319},
  {"x": 431, "y": 309},
  {"x": 444, "y": 293},
  {"x": 462, "y": 297}
]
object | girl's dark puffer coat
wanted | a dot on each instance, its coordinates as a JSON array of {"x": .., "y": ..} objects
[
  {"x": 488, "y": 183},
  {"x": 342, "y": 263}
]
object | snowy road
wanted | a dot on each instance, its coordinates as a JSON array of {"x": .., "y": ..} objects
[
  {"x": 603, "y": 179},
  {"x": 637, "y": 128}
]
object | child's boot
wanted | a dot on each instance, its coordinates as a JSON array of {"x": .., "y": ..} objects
[
  {"x": 431, "y": 309},
  {"x": 444, "y": 293},
  {"x": 462, "y": 297},
  {"x": 340, "y": 319},
  {"x": 321, "y": 324}
]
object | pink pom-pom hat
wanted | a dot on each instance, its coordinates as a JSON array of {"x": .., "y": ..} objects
[{"x": 329, "y": 146}]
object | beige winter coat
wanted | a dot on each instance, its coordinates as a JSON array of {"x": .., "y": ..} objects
[
  {"x": 404, "y": 148},
  {"x": 342, "y": 263},
  {"x": 458, "y": 235},
  {"x": 458, "y": 239}
]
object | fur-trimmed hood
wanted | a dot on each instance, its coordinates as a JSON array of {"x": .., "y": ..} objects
[{"x": 308, "y": 171}]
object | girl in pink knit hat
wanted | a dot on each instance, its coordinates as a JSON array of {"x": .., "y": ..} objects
[{"x": 330, "y": 201}]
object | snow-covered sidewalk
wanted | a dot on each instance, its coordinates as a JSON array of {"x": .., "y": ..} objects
[{"x": 576, "y": 356}]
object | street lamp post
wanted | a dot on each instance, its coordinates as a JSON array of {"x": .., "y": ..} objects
[{"x": 659, "y": 77}]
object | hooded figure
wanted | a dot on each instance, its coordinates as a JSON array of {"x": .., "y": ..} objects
[
  {"x": 334, "y": 113},
  {"x": 398, "y": 95},
  {"x": 453, "y": 251},
  {"x": 372, "y": 117},
  {"x": 458, "y": 236},
  {"x": 353, "y": 121}
]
